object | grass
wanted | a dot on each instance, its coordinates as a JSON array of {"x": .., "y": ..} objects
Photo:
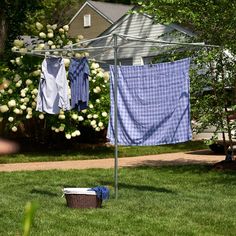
[
  {"x": 84, "y": 152},
  {"x": 175, "y": 200}
]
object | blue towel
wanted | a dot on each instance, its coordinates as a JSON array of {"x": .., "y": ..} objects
[
  {"x": 153, "y": 104},
  {"x": 102, "y": 192}
]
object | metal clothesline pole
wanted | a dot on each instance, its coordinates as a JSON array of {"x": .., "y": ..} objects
[
  {"x": 116, "y": 114},
  {"x": 115, "y": 36}
]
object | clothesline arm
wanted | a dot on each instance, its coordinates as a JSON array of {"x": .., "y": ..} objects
[
  {"x": 127, "y": 38},
  {"x": 140, "y": 39},
  {"x": 88, "y": 41},
  {"x": 73, "y": 49}
]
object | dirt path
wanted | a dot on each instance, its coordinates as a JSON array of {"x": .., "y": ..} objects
[{"x": 204, "y": 156}]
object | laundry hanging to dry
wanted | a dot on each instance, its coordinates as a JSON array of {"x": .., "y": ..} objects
[
  {"x": 153, "y": 104},
  {"x": 53, "y": 91},
  {"x": 53, "y": 87}
]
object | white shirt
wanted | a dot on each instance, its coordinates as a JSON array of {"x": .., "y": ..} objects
[{"x": 53, "y": 87}]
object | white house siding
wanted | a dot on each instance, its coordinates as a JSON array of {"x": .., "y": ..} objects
[{"x": 137, "y": 25}]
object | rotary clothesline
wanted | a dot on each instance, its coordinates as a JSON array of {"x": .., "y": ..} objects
[
  {"x": 117, "y": 41},
  {"x": 114, "y": 37}
]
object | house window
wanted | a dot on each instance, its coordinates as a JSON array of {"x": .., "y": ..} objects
[{"x": 87, "y": 20}]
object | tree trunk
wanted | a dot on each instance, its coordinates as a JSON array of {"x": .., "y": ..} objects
[
  {"x": 229, "y": 133},
  {"x": 228, "y": 126},
  {"x": 3, "y": 33}
]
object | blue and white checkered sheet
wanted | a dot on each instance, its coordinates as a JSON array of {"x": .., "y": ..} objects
[{"x": 153, "y": 104}]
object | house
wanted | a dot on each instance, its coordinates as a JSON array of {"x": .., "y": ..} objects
[
  {"x": 93, "y": 18},
  {"x": 96, "y": 19},
  {"x": 143, "y": 26}
]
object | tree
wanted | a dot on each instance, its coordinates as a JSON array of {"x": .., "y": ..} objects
[
  {"x": 17, "y": 17},
  {"x": 213, "y": 93},
  {"x": 12, "y": 16},
  {"x": 214, "y": 22}
]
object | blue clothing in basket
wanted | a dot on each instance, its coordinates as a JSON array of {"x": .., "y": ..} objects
[
  {"x": 102, "y": 192},
  {"x": 153, "y": 104}
]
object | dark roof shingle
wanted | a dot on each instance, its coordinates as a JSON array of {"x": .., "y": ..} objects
[{"x": 113, "y": 11}]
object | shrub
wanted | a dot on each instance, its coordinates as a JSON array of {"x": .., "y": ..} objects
[{"x": 19, "y": 87}]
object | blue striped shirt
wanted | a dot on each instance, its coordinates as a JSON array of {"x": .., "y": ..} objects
[{"x": 78, "y": 74}]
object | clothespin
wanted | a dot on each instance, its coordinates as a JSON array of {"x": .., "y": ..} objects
[{"x": 46, "y": 54}]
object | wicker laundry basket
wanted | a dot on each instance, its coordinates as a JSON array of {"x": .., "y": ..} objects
[{"x": 82, "y": 198}]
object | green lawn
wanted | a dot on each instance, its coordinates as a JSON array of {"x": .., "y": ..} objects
[
  {"x": 176, "y": 200},
  {"x": 83, "y": 152}
]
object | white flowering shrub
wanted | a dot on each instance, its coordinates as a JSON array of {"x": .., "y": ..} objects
[{"x": 19, "y": 88}]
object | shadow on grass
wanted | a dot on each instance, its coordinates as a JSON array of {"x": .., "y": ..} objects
[
  {"x": 88, "y": 151},
  {"x": 206, "y": 152},
  {"x": 176, "y": 168},
  {"x": 43, "y": 192},
  {"x": 145, "y": 188},
  {"x": 98, "y": 152},
  {"x": 100, "y": 149},
  {"x": 140, "y": 187},
  {"x": 32, "y": 152}
]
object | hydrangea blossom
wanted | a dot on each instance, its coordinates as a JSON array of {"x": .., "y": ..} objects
[
  {"x": 12, "y": 103},
  {"x": 4, "y": 108}
]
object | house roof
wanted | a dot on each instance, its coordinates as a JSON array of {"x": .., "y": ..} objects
[
  {"x": 141, "y": 25},
  {"x": 111, "y": 11},
  {"x": 126, "y": 17}
]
